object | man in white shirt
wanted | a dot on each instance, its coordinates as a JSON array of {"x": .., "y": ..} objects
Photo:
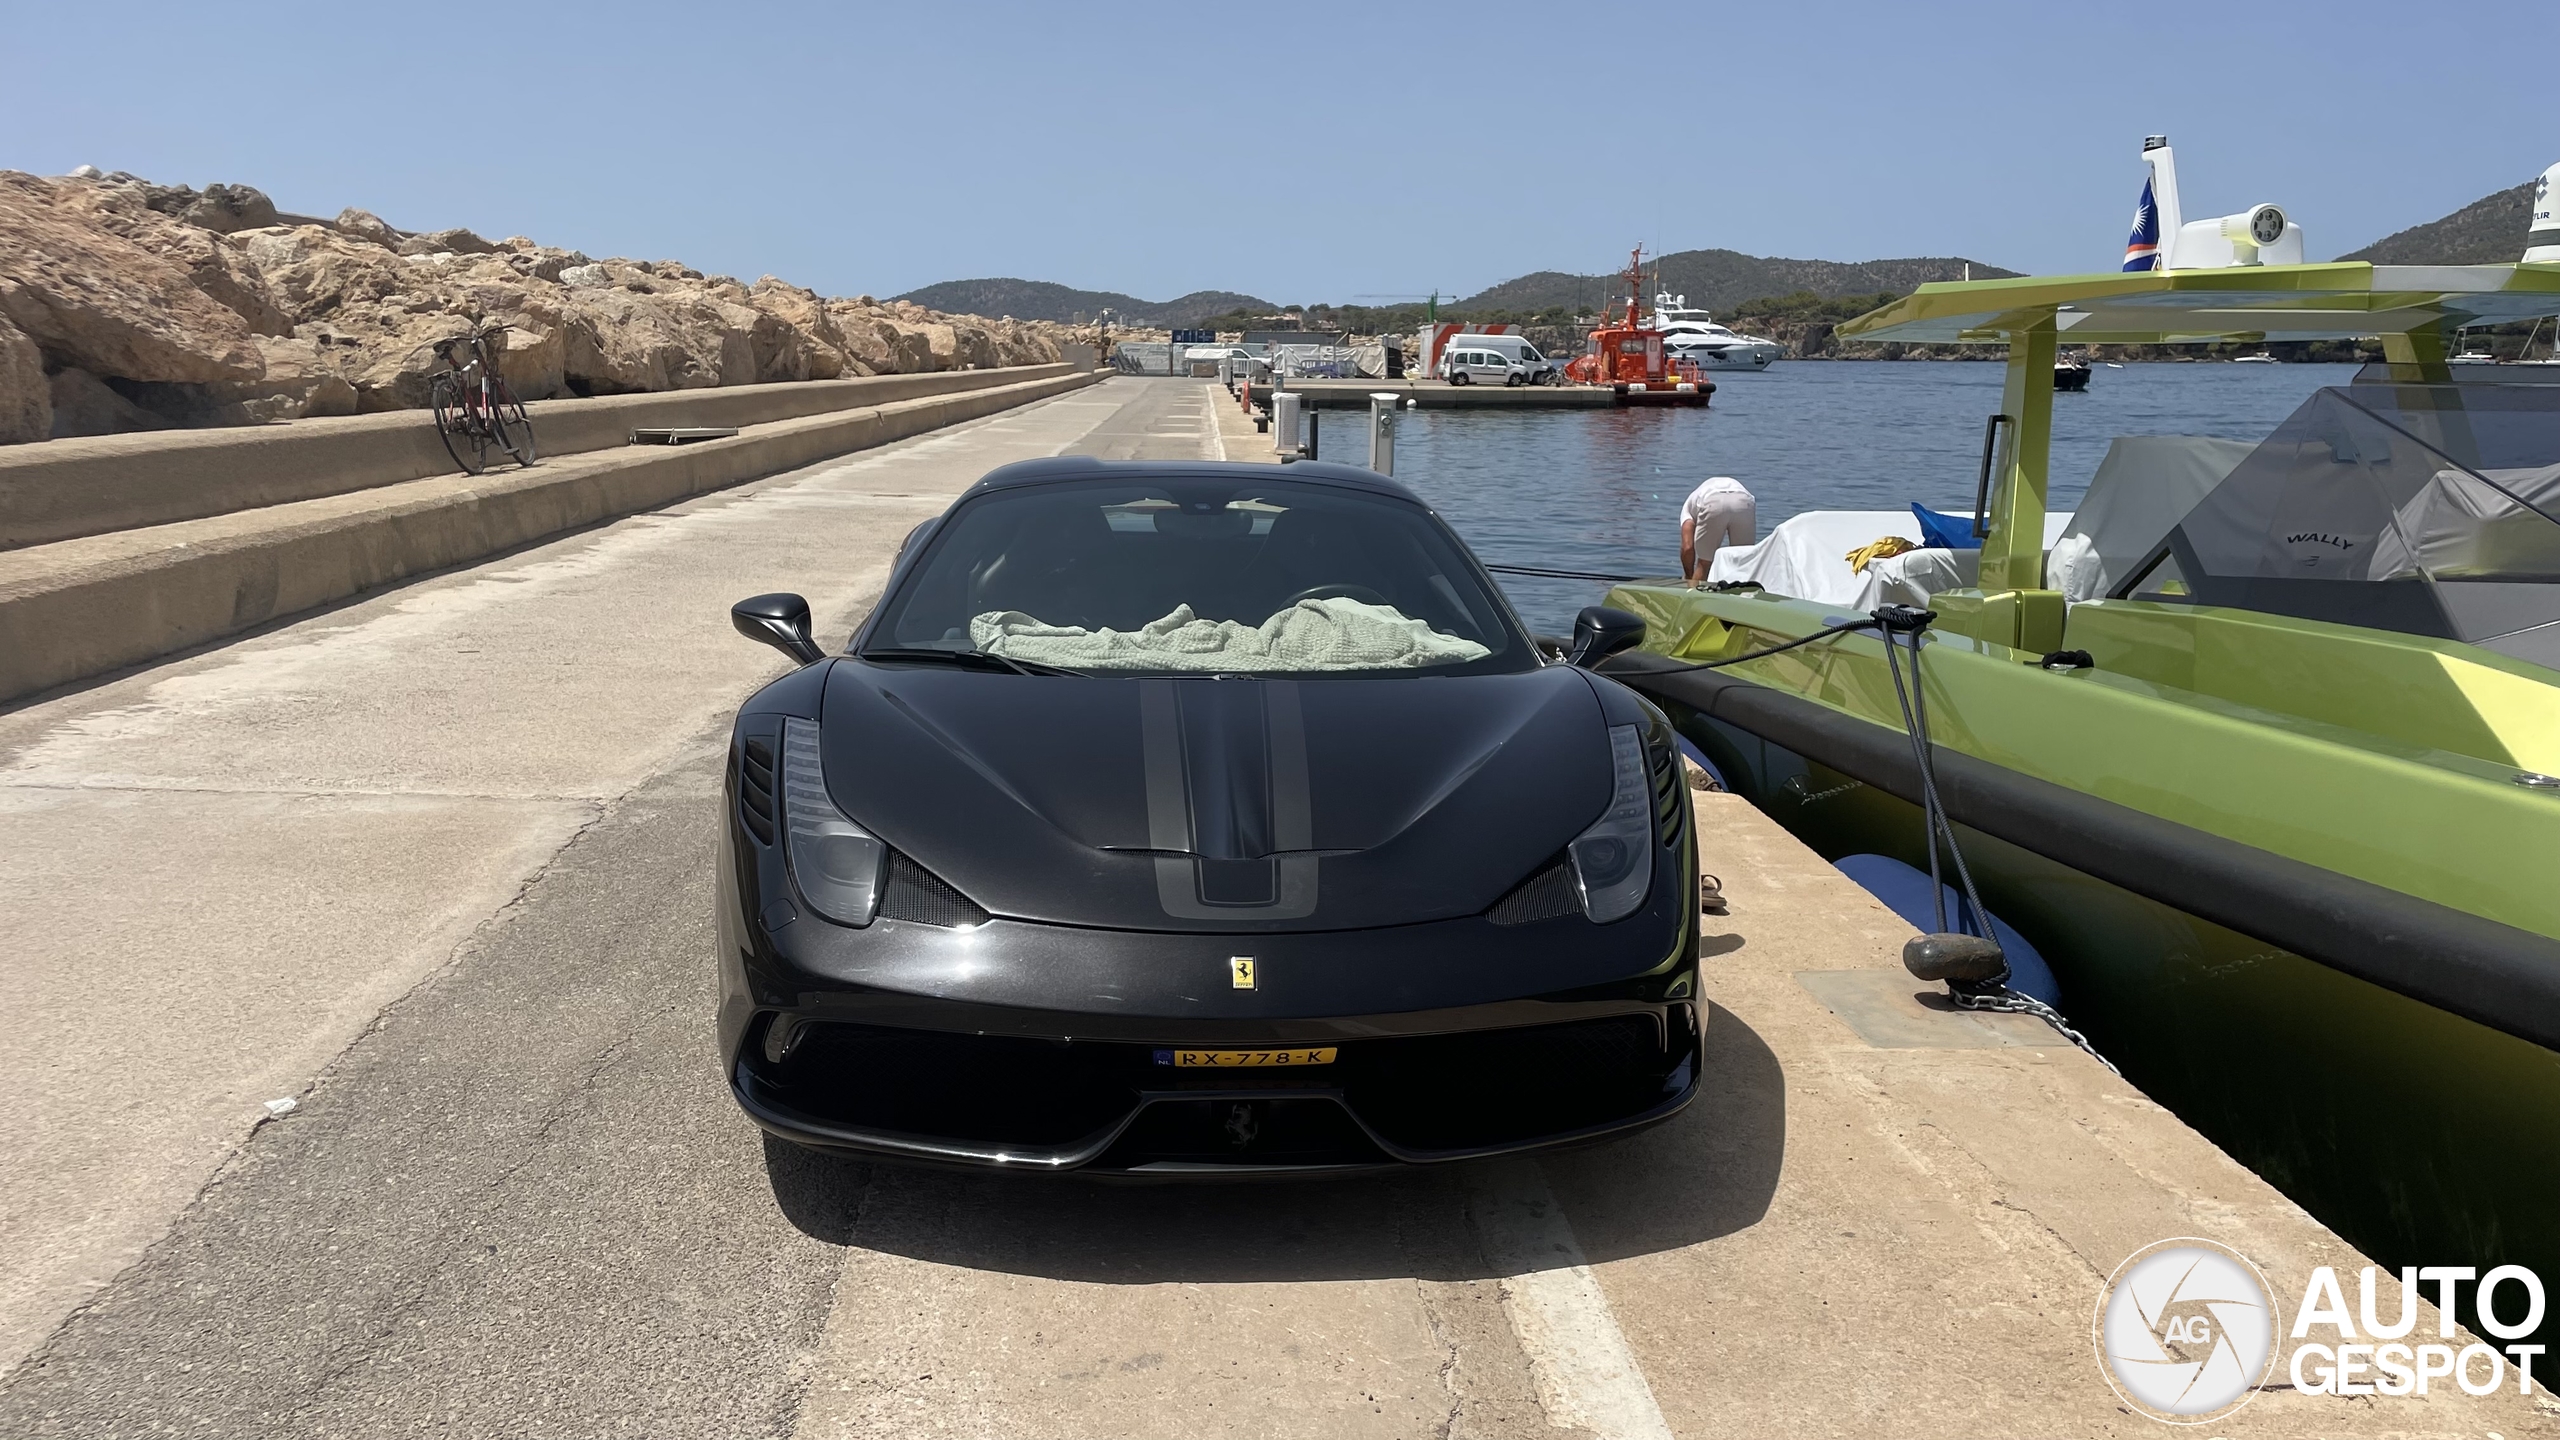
[{"x": 1716, "y": 514}]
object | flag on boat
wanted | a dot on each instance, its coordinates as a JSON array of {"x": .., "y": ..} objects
[{"x": 2142, "y": 248}]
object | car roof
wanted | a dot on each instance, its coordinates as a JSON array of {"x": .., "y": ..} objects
[{"x": 1060, "y": 468}]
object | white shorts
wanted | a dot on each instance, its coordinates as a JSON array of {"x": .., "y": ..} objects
[{"x": 1724, "y": 517}]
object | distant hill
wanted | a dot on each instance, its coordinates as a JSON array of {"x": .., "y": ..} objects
[
  {"x": 1041, "y": 300},
  {"x": 1722, "y": 279},
  {"x": 2488, "y": 231}
]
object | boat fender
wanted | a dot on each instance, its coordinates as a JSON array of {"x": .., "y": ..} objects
[
  {"x": 1957, "y": 959},
  {"x": 2066, "y": 660}
]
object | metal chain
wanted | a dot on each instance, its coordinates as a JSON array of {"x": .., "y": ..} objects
[{"x": 2020, "y": 1003}]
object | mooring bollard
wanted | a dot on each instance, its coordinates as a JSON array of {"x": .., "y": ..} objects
[
  {"x": 1284, "y": 423},
  {"x": 1382, "y": 432}
]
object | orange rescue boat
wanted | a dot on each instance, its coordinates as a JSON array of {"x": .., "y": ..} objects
[{"x": 1626, "y": 354}]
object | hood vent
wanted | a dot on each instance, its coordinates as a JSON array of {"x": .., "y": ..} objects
[
  {"x": 755, "y": 788},
  {"x": 918, "y": 895}
]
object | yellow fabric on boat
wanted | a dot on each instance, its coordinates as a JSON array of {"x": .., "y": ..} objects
[{"x": 1884, "y": 549}]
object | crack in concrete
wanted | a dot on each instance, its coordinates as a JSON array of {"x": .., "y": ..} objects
[{"x": 353, "y": 1354}]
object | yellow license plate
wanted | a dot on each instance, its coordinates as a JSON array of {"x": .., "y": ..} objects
[{"x": 1250, "y": 1059}]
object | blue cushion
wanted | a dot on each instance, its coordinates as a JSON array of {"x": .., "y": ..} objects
[
  {"x": 1945, "y": 532},
  {"x": 1904, "y": 889}
]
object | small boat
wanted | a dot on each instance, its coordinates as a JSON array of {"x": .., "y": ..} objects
[
  {"x": 2261, "y": 358},
  {"x": 1694, "y": 335},
  {"x": 2071, "y": 374},
  {"x": 1630, "y": 357}
]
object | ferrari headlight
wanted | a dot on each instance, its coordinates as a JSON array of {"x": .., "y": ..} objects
[
  {"x": 836, "y": 863},
  {"x": 1613, "y": 860}
]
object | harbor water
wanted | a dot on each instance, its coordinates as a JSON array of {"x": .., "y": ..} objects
[{"x": 1600, "y": 490}]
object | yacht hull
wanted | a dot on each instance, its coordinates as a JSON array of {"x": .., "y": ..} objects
[
  {"x": 2370, "y": 1043},
  {"x": 1739, "y": 357},
  {"x": 2395, "y": 1122}
]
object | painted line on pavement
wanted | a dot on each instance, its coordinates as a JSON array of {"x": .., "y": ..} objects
[{"x": 1587, "y": 1379}]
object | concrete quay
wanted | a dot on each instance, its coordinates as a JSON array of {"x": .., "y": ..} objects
[
  {"x": 435, "y": 866},
  {"x": 1438, "y": 395},
  {"x": 282, "y": 519}
]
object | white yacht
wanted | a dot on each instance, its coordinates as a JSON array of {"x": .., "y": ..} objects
[{"x": 1694, "y": 335}]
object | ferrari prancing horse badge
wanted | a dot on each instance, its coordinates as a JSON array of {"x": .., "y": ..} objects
[{"x": 1240, "y": 970}]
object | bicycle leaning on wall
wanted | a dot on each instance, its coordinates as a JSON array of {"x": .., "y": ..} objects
[{"x": 475, "y": 411}]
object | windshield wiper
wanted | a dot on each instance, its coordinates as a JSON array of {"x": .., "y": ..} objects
[{"x": 980, "y": 658}]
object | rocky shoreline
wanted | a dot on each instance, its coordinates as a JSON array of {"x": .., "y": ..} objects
[{"x": 126, "y": 305}]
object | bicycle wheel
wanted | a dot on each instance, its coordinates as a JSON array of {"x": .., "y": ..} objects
[
  {"x": 508, "y": 422},
  {"x": 464, "y": 439}
]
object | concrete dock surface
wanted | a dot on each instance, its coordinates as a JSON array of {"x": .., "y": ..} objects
[{"x": 436, "y": 865}]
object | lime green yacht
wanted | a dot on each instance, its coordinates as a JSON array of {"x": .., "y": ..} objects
[{"x": 2279, "y": 800}]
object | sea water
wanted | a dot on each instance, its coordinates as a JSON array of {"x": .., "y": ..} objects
[{"x": 1600, "y": 490}]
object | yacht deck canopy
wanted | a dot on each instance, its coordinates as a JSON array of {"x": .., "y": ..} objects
[{"x": 2336, "y": 301}]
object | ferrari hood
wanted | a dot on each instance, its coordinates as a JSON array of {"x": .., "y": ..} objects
[{"x": 1218, "y": 804}]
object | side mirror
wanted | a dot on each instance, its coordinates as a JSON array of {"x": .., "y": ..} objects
[
  {"x": 781, "y": 621},
  {"x": 1600, "y": 632}
]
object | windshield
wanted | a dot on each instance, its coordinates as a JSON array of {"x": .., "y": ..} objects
[{"x": 1201, "y": 575}]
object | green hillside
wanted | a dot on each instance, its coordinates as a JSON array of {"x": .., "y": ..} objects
[
  {"x": 1723, "y": 279},
  {"x": 2488, "y": 231},
  {"x": 1041, "y": 300}
]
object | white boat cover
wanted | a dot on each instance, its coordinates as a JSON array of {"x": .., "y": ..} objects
[
  {"x": 1336, "y": 633},
  {"x": 2144, "y": 487},
  {"x": 1806, "y": 558}
]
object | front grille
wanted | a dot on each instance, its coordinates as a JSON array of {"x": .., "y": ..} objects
[
  {"x": 979, "y": 1089},
  {"x": 1493, "y": 1087},
  {"x": 917, "y": 894},
  {"x": 1547, "y": 895},
  {"x": 755, "y": 788},
  {"x": 1241, "y": 1130},
  {"x": 1420, "y": 1093}
]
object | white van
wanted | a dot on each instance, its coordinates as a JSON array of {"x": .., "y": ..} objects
[
  {"x": 1516, "y": 350},
  {"x": 1463, "y": 364}
]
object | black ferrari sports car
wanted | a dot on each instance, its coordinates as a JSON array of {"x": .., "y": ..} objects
[{"x": 1201, "y": 819}]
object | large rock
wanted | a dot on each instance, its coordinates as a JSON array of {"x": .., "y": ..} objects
[
  {"x": 365, "y": 225},
  {"x": 26, "y": 406},
  {"x": 98, "y": 301},
  {"x": 313, "y": 271},
  {"x": 456, "y": 241},
  {"x": 819, "y": 343},
  {"x": 225, "y": 208},
  {"x": 622, "y": 341},
  {"x": 304, "y": 378},
  {"x": 877, "y": 341},
  {"x": 218, "y": 208},
  {"x": 132, "y": 211},
  {"x": 83, "y": 404}
]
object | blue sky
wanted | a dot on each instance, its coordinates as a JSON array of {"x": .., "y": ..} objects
[{"x": 1319, "y": 152}]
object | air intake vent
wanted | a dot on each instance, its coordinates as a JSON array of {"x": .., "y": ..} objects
[
  {"x": 755, "y": 788},
  {"x": 1667, "y": 796},
  {"x": 1547, "y": 895},
  {"x": 917, "y": 894}
]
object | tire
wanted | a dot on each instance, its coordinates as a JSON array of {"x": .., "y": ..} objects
[
  {"x": 1460, "y": 377},
  {"x": 465, "y": 439},
  {"x": 1514, "y": 382},
  {"x": 512, "y": 427}
]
